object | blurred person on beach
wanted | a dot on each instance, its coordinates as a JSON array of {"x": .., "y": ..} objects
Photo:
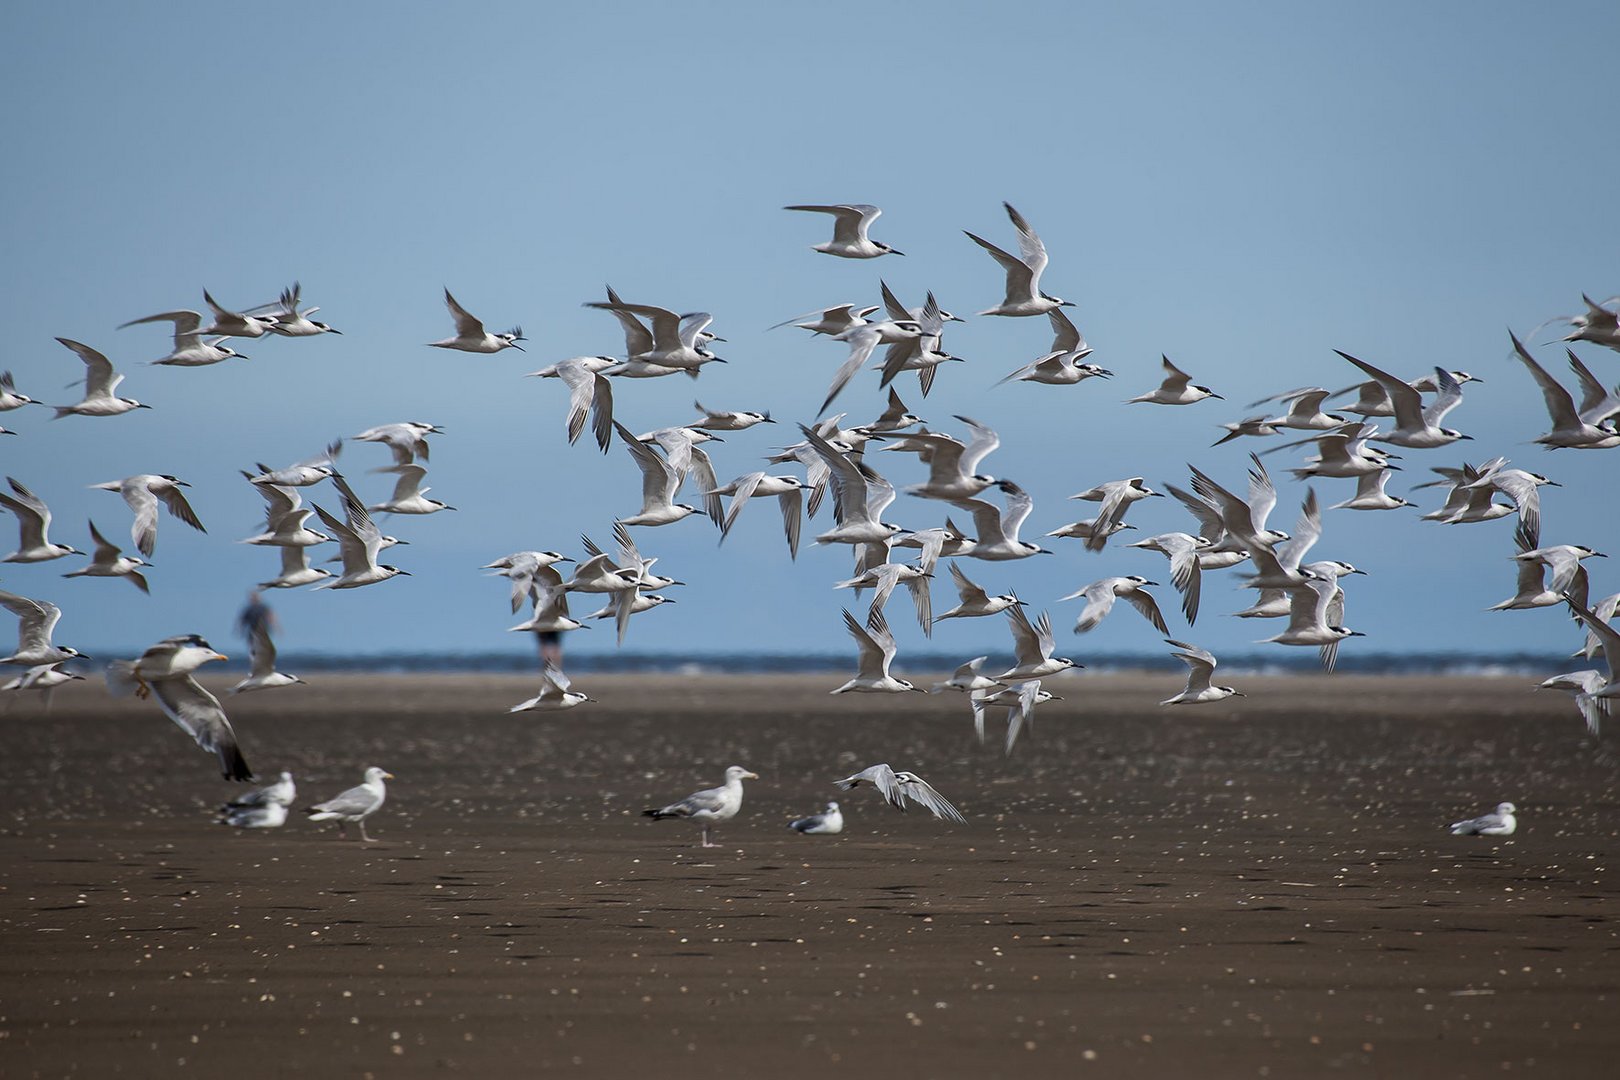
[
  {"x": 256, "y": 616},
  {"x": 550, "y": 648}
]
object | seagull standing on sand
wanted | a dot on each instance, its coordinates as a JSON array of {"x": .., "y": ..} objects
[
  {"x": 1499, "y": 822},
  {"x": 710, "y": 806},
  {"x": 356, "y": 804}
]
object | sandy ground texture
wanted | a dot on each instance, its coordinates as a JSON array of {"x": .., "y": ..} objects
[{"x": 1257, "y": 888}]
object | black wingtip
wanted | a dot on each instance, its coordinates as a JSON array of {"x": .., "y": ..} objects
[{"x": 234, "y": 766}]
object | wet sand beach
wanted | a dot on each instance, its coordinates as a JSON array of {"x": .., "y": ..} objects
[{"x": 1263, "y": 887}]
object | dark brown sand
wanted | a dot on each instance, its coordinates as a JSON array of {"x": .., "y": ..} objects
[{"x": 1263, "y": 889}]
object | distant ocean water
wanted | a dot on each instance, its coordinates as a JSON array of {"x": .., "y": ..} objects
[{"x": 1514, "y": 664}]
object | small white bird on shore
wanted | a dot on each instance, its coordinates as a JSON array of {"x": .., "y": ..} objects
[
  {"x": 262, "y": 808},
  {"x": 829, "y": 822},
  {"x": 269, "y": 816},
  {"x": 710, "y": 806},
  {"x": 1499, "y": 822}
]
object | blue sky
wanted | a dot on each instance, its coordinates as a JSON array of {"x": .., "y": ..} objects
[{"x": 1243, "y": 187}]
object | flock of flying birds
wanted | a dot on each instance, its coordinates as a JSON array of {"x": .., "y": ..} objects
[{"x": 1229, "y": 527}]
